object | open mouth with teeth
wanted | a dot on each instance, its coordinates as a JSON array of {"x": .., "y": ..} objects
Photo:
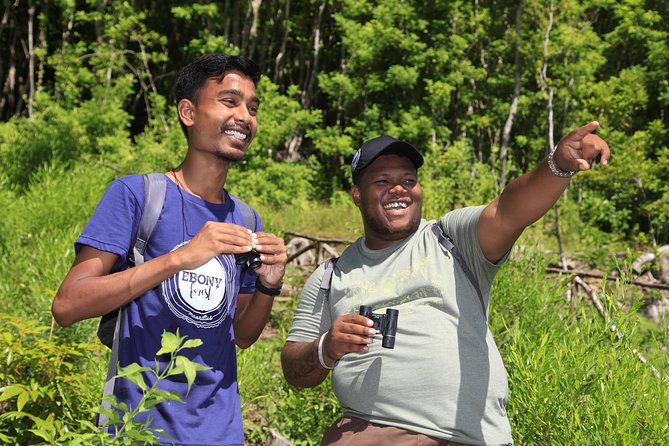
[
  {"x": 395, "y": 205},
  {"x": 236, "y": 134}
]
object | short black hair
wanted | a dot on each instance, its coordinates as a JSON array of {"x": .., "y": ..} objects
[{"x": 211, "y": 66}]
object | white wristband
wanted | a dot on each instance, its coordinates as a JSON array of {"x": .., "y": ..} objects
[
  {"x": 320, "y": 353},
  {"x": 554, "y": 167}
]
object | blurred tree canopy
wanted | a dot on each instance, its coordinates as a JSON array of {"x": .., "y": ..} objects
[{"x": 483, "y": 88}]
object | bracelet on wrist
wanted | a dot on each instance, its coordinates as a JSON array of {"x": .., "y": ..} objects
[
  {"x": 321, "y": 359},
  {"x": 554, "y": 167},
  {"x": 269, "y": 291}
]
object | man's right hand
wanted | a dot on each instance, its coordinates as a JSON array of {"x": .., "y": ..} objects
[
  {"x": 349, "y": 333},
  {"x": 212, "y": 240}
]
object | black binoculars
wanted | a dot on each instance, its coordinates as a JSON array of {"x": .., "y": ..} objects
[
  {"x": 251, "y": 259},
  {"x": 386, "y": 324}
]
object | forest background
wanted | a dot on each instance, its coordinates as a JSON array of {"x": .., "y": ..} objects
[{"x": 483, "y": 88}]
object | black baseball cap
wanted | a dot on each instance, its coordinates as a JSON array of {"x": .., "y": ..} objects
[{"x": 376, "y": 147}]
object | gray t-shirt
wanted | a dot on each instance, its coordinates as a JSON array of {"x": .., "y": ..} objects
[{"x": 445, "y": 377}]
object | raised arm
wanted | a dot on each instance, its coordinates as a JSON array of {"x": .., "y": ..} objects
[{"x": 527, "y": 198}]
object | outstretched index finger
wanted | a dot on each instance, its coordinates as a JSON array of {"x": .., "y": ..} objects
[{"x": 580, "y": 133}]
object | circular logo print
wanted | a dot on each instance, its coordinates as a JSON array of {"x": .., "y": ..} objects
[{"x": 202, "y": 296}]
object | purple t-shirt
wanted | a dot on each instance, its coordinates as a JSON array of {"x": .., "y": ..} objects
[{"x": 200, "y": 303}]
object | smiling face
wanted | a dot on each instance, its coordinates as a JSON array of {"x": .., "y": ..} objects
[
  {"x": 222, "y": 120},
  {"x": 390, "y": 200}
]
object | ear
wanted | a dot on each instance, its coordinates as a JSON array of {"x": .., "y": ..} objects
[
  {"x": 186, "y": 110},
  {"x": 355, "y": 194}
]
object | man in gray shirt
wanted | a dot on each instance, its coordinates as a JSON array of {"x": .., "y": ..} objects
[{"x": 444, "y": 382}]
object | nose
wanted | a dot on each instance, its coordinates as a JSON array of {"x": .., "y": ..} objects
[
  {"x": 398, "y": 189},
  {"x": 243, "y": 115}
]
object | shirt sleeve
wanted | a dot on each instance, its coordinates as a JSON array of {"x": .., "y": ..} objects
[
  {"x": 462, "y": 226},
  {"x": 115, "y": 219},
  {"x": 312, "y": 317}
]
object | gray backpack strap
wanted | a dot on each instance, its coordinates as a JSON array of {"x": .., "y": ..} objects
[
  {"x": 446, "y": 242},
  {"x": 110, "y": 381},
  {"x": 155, "y": 187},
  {"x": 248, "y": 214},
  {"x": 327, "y": 275}
]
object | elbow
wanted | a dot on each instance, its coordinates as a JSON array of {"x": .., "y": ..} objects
[
  {"x": 285, "y": 362},
  {"x": 60, "y": 316},
  {"x": 245, "y": 343},
  {"x": 60, "y": 313}
]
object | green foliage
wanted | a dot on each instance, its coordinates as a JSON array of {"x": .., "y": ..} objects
[
  {"x": 572, "y": 381},
  {"x": 272, "y": 183},
  {"x": 127, "y": 430},
  {"x": 37, "y": 235},
  {"x": 440, "y": 74},
  {"x": 44, "y": 384},
  {"x": 57, "y": 134},
  {"x": 280, "y": 118},
  {"x": 48, "y": 383},
  {"x": 455, "y": 180}
]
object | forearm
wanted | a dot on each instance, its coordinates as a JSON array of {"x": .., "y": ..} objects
[
  {"x": 527, "y": 198},
  {"x": 251, "y": 318},
  {"x": 523, "y": 201},
  {"x": 84, "y": 295},
  {"x": 300, "y": 364}
]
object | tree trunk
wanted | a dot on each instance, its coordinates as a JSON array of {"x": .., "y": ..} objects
[
  {"x": 309, "y": 88},
  {"x": 31, "y": 57},
  {"x": 254, "y": 10},
  {"x": 508, "y": 125},
  {"x": 278, "y": 61}
]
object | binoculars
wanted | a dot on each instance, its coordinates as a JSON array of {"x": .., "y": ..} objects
[
  {"x": 251, "y": 259},
  {"x": 386, "y": 324}
]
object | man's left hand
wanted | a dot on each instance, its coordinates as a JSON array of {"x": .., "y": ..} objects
[
  {"x": 578, "y": 148},
  {"x": 273, "y": 255}
]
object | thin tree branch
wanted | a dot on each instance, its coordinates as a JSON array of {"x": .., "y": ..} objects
[{"x": 578, "y": 273}]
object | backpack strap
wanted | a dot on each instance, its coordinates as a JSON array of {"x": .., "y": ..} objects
[
  {"x": 155, "y": 186},
  {"x": 248, "y": 214},
  {"x": 326, "y": 279},
  {"x": 447, "y": 243}
]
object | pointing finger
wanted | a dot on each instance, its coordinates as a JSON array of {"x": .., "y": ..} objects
[{"x": 580, "y": 132}]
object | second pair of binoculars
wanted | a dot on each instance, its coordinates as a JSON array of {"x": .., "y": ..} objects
[{"x": 386, "y": 324}]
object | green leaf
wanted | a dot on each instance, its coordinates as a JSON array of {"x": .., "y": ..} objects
[
  {"x": 22, "y": 400},
  {"x": 168, "y": 395},
  {"x": 190, "y": 368},
  {"x": 192, "y": 343},
  {"x": 10, "y": 392},
  {"x": 133, "y": 373},
  {"x": 169, "y": 343}
]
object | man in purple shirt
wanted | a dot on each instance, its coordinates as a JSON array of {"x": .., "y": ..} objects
[{"x": 189, "y": 280}]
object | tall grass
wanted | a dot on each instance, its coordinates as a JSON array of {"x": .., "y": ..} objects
[{"x": 572, "y": 381}]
